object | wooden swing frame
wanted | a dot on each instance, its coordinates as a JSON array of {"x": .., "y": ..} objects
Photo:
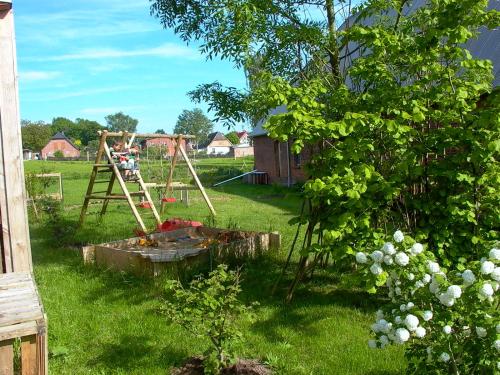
[{"x": 111, "y": 166}]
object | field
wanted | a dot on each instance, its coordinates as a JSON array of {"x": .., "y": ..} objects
[{"x": 101, "y": 322}]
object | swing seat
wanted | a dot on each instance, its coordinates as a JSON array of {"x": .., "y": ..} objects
[
  {"x": 144, "y": 204},
  {"x": 169, "y": 200}
]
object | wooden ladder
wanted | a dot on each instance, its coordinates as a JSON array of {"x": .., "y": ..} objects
[{"x": 107, "y": 194}]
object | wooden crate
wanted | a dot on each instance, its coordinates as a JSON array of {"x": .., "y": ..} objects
[{"x": 22, "y": 317}]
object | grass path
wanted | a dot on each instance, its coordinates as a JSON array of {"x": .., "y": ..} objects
[{"x": 102, "y": 322}]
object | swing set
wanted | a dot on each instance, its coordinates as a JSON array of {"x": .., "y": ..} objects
[{"x": 109, "y": 165}]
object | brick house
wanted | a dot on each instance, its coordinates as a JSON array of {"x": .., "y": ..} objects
[
  {"x": 59, "y": 142},
  {"x": 165, "y": 143},
  {"x": 217, "y": 144}
]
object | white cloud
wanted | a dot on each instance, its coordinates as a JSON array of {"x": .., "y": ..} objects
[
  {"x": 34, "y": 75},
  {"x": 167, "y": 50}
]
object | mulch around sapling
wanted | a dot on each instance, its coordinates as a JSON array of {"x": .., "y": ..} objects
[{"x": 194, "y": 366}]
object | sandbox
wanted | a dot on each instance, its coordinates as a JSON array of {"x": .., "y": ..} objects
[{"x": 188, "y": 247}]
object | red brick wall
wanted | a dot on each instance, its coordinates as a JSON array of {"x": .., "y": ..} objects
[
  {"x": 165, "y": 142},
  {"x": 59, "y": 144},
  {"x": 272, "y": 157},
  {"x": 239, "y": 152}
]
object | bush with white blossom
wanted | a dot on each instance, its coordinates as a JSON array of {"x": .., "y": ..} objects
[{"x": 449, "y": 319}]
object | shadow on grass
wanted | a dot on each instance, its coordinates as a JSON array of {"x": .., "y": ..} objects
[{"x": 131, "y": 352}]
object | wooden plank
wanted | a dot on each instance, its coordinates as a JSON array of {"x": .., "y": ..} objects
[
  {"x": 7, "y": 357},
  {"x": 171, "y": 172},
  {"x": 29, "y": 364},
  {"x": 108, "y": 192},
  {"x": 151, "y": 135},
  {"x": 15, "y": 318},
  {"x": 42, "y": 347},
  {"x": 146, "y": 194},
  {"x": 18, "y": 330},
  {"x": 197, "y": 181},
  {"x": 17, "y": 249}
]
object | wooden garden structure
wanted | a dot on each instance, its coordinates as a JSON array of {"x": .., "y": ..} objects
[
  {"x": 109, "y": 166},
  {"x": 21, "y": 311}
]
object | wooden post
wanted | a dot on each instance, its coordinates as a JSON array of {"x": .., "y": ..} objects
[
  {"x": 14, "y": 216},
  {"x": 171, "y": 171},
  {"x": 7, "y": 357},
  {"x": 197, "y": 181}
]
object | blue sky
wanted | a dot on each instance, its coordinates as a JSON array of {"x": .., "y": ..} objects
[{"x": 91, "y": 58}]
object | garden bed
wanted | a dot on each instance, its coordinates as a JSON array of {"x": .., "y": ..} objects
[{"x": 187, "y": 247}]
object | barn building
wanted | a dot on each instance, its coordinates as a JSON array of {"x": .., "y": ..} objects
[
  {"x": 59, "y": 142},
  {"x": 165, "y": 143},
  {"x": 217, "y": 144}
]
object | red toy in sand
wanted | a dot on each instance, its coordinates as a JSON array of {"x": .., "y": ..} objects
[{"x": 174, "y": 224}]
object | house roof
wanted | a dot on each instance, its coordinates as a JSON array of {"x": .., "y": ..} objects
[
  {"x": 62, "y": 136},
  {"x": 485, "y": 46},
  {"x": 216, "y": 136},
  {"x": 241, "y": 134}
]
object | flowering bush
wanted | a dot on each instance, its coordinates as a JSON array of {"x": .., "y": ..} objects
[{"x": 449, "y": 318}]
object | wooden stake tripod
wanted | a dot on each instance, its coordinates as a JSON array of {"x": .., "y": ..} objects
[{"x": 107, "y": 194}]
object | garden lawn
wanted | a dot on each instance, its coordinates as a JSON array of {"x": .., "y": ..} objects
[{"x": 103, "y": 322}]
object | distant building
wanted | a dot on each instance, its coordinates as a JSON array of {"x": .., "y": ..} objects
[
  {"x": 243, "y": 137},
  {"x": 217, "y": 144},
  {"x": 242, "y": 150},
  {"x": 60, "y": 142},
  {"x": 166, "y": 143}
]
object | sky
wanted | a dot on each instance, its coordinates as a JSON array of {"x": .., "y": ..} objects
[{"x": 91, "y": 58}]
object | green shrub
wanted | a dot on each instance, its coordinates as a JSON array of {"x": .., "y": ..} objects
[
  {"x": 210, "y": 308},
  {"x": 58, "y": 154}
]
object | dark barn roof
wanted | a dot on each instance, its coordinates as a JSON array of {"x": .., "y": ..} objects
[
  {"x": 215, "y": 136},
  {"x": 62, "y": 136}
]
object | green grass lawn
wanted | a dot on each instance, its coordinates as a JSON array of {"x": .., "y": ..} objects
[{"x": 103, "y": 322}]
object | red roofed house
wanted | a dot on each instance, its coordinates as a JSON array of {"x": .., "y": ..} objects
[
  {"x": 60, "y": 142},
  {"x": 243, "y": 137}
]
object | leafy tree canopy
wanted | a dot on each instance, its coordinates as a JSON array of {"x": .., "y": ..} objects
[
  {"x": 233, "y": 138},
  {"x": 79, "y": 130},
  {"x": 35, "y": 134},
  {"x": 160, "y": 131},
  {"x": 121, "y": 122},
  {"x": 194, "y": 122}
]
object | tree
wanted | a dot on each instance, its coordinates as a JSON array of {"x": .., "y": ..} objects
[
  {"x": 35, "y": 135},
  {"x": 195, "y": 123},
  {"x": 79, "y": 130},
  {"x": 121, "y": 122},
  {"x": 285, "y": 38},
  {"x": 160, "y": 131},
  {"x": 233, "y": 138}
]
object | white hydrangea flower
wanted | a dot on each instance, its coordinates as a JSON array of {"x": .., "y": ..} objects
[
  {"x": 428, "y": 350},
  {"x": 388, "y": 260},
  {"x": 361, "y": 257},
  {"x": 397, "y": 290},
  {"x": 416, "y": 249},
  {"x": 496, "y": 345},
  {"x": 379, "y": 315},
  {"x": 426, "y": 279},
  {"x": 398, "y": 236},
  {"x": 486, "y": 290},
  {"x": 389, "y": 248},
  {"x": 444, "y": 357},
  {"x": 372, "y": 344},
  {"x": 495, "y": 275},
  {"x": 487, "y": 267},
  {"x": 494, "y": 254},
  {"x": 403, "y": 335},
  {"x": 410, "y": 305},
  {"x": 384, "y": 340},
  {"x": 411, "y": 322},
  {"x": 469, "y": 277},
  {"x": 410, "y": 276},
  {"x": 433, "y": 267},
  {"x": 446, "y": 299},
  {"x": 447, "y": 329},
  {"x": 402, "y": 307},
  {"x": 419, "y": 284},
  {"x": 427, "y": 315},
  {"x": 377, "y": 256},
  {"x": 398, "y": 320},
  {"x": 481, "y": 332},
  {"x": 387, "y": 328},
  {"x": 420, "y": 332},
  {"x": 434, "y": 287},
  {"x": 376, "y": 269},
  {"x": 401, "y": 259},
  {"x": 454, "y": 291}
]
